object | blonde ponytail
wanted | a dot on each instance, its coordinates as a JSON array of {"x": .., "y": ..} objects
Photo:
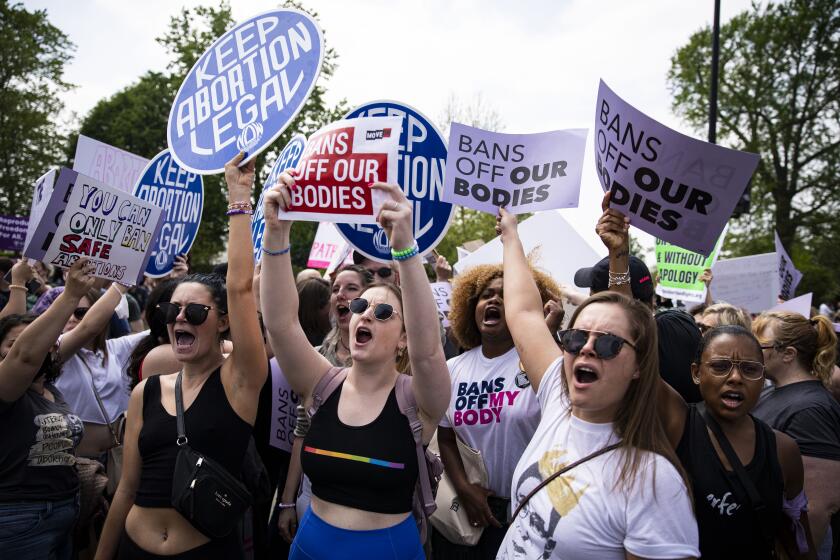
[
  {"x": 814, "y": 339},
  {"x": 823, "y": 364}
]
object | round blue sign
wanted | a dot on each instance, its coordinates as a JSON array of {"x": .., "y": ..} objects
[
  {"x": 288, "y": 158},
  {"x": 181, "y": 195},
  {"x": 245, "y": 90},
  {"x": 421, "y": 163}
]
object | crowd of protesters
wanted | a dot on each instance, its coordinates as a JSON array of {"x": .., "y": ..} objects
[{"x": 618, "y": 430}]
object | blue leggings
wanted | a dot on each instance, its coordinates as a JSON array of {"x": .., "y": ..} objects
[{"x": 316, "y": 539}]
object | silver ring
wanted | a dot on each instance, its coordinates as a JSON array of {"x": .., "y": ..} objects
[{"x": 475, "y": 524}]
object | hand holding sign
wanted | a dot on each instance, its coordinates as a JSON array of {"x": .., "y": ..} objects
[
  {"x": 613, "y": 227},
  {"x": 278, "y": 199},
  {"x": 240, "y": 180},
  {"x": 80, "y": 278},
  {"x": 395, "y": 216},
  {"x": 505, "y": 224}
]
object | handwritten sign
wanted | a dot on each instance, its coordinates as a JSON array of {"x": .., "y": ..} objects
[
  {"x": 670, "y": 185},
  {"x": 338, "y": 165},
  {"x": 328, "y": 243},
  {"x": 13, "y": 232},
  {"x": 750, "y": 282},
  {"x": 789, "y": 277},
  {"x": 113, "y": 166},
  {"x": 679, "y": 270},
  {"x": 442, "y": 292},
  {"x": 522, "y": 172},
  {"x": 245, "y": 89}
]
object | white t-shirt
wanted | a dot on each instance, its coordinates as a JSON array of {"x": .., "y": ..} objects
[
  {"x": 111, "y": 379},
  {"x": 582, "y": 514},
  {"x": 493, "y": 409}
]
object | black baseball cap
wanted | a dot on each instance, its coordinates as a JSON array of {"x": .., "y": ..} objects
[{"x": 597, "y": 278}]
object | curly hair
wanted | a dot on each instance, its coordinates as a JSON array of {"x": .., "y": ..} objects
[{"x": 468, "y": 286}]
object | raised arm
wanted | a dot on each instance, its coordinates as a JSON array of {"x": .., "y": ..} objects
[
  {"x": 431, "y": 383},
  {"x": 94, "y": 321},
  {"x": 614, "y": 230},
  {"x": 24, "y": 359},
  {"x": 248, "y": 363},
  {"x": 523, "y": 305},
  {"x": 21, "y": 274},
  {"x": 301, "y": 363}
]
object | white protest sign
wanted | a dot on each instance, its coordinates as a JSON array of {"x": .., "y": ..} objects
[
  {"x": 542, "y": 231},
  {"x": 112, "y": 166},
  {"x": 801, "y": 305},
  {"x": 113, "y": 228},
  {"x": 442, "y": 292},
  {"x": 670, "y": 185},
  {"x": 750, "y": 282},
  {"x": 789, "y": 277},
  {"x": 41, "y": 193},
  {"x": 339, "y": 163},
  {"x": 341, "y": 256},
  {"x": 522, "y": 172},
  {"x": 328, "y": 242}
]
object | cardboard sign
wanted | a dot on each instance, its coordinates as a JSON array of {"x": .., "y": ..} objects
[
  {"x": 422, "y": 161},
  {"x": 86, "y": 217},
  {"x": 328, "y": 243},
  {"x": 41, "y": 193},
  {"x": 13, "y": 232},
  {"x": 750, "y": 282},
  {"x": 679, "y": 270},
  {"x": 288, "y": 158},
  {"x": 113, "y": 166},
  {"x": 245, "y": 90},
  {"x": 670, "y": 185},
  {"x": 442, "y": 292},
  {"x": 789, "y": 277},
  {"x": 522, "y": 172},
  {"x": 801, "y": 305},
  {"x": 338, "y": 165},
  {"x": 283, "y": 411},
  {"x": 181, "y": 195}
]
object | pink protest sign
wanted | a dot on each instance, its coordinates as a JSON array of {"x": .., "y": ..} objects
[
  {"x": 328, "y": 242},
  {"x": 675, "y": 187}
]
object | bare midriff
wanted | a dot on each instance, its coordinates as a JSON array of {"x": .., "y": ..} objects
[
  {"x": 345, "y": 517},
  {"x": 162, "y": 531}
]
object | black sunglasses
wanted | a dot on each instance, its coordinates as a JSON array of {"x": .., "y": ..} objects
[
  {"x": 381, "y": 311},
  {"x": 383, "y": 272},
  {"x": 80, "y": 312},
  {"x": 607, "y": 345},
  {"x": 194, "y": 313}
]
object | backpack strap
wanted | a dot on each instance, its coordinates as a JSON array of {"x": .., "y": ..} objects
[
  {"x": 408, "y": 406},
  {"x": 328, "y": 383}
]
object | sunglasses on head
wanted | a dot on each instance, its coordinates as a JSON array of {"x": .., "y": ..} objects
[
  {"x": 194, "y": 313},
  {"x": 607, "y": 345},
  {"x": 383, "y": 272},
  {"x": 722, "y": 367},
  {"x": 80, "y": 312},
  {"x": 381, "y": 311}
]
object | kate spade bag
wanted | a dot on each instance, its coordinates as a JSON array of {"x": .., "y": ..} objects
[
  {"x": 450, "y": 518},
  {"x": 203, "y": 491}
]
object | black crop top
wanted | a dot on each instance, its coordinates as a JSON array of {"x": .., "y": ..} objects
[
  {"x": 371, "y": 467},
  {"x": 213, "y": 428}
]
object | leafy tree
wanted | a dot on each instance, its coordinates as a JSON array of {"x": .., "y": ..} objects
[
  {"x": 779, "y": 96},
  {"x": 135, "y": 119},
  {"x": 33, "y": 54}
]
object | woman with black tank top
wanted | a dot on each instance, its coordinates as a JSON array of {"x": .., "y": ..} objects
[
  {"x": 220, "y": 400},
  {"x": 729, "y": 369},
  {"x": 359, "y": 452}
]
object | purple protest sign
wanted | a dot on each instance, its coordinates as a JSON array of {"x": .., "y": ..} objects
[
  {"x": 13, "y": 232},
  {"x": 675, "y": 187},
  {"x": 522, "y": 172}
]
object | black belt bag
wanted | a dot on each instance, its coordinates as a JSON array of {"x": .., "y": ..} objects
[{"x": 203, "y": 491}]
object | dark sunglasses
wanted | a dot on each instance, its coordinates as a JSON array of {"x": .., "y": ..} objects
[
  {"x": 722, "y": 367},
  {"x": 80, "y": 312},
  {"x": 381, "y": 311},
  {"x": 383, "y": 272},
  {"x": 194, "y": 313},
  {"x": 607, "y": 345}
]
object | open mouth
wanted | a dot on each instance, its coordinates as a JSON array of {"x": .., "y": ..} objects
[
  {"x": 732, "y": 399},
  {"x": 363, "y": 335},
  {"x": 585, "y": 375},
  {"x": 492, "y": 316},
  {"x": 342, "y": 310},
  {"x": 183, "y": 340}
]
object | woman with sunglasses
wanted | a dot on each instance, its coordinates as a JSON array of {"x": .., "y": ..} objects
[
  {"x": 347, "y": 284},
  {"x": 627, "y": 497},
  {"x": 359, "y": 452},
  {"x": 220, "y": 398},
  {"x": 799, "y": 354},
  {"x": 38, "y": 482}
]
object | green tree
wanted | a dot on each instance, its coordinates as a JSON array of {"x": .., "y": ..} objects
[
  {"x": 33, "y": 54},
  {"x": 779, "y": 96},
  {"x": 135, "y": 119}
]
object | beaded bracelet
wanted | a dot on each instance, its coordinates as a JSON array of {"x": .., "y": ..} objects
[
  {"x": 244, "y": 205},
  {"x": 277, "y": 253},
  {"x": 618, "y": 278},
  {"x": 236, "y": 211},
  {"x": 405, "y": 254}
]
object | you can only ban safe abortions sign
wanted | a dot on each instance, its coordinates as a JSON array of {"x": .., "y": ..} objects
[
  {"x": 675, "y": 187},
  {"x": 522, "y": 172},
  {"x": 679, "y": 270},
  {"x": 245, "y": 90},
  {"x": 337, "y": 167},
  {"x": 421, "y": 162},
  {"x": 181, "y": 195},
  {"x": 86, "y": 217}
]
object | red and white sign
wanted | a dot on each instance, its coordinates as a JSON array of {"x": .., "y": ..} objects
[
  {"x": 328, "y": 242},
  {"x": 337, "y": 167}
]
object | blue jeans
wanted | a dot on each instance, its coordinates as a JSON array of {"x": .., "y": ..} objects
[{"x": 38, "y": 530}]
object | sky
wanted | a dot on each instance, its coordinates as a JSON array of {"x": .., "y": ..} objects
[{"x": 537, "y": 63}]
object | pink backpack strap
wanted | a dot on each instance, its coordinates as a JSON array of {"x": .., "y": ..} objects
[
  {"x": 408, "y": 406},
  {"x": 328, "y": 383}
]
